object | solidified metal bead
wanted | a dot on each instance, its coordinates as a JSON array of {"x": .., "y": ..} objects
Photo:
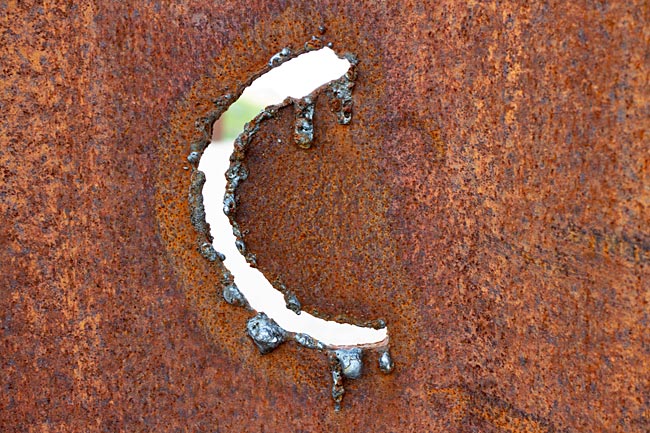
[
  {"x": 229, "y": 203},
  {"x": 280, "y": 57},
  {"x": 308, "y": 341},
  {"x": 266, "y": 334},
  {"x": 303, "y": 125},
  {"x": 292, "y": 303},
  {"x": 208, "y": 251},
  {"x": 233, "y": 296},
  {"x": 351, "y": 364},
  {"x": 386, "y": 362},
  {"x": 241, "y": 246},
  {"x": 194, "y": 157},
  {"x": 337, "y": 381}
]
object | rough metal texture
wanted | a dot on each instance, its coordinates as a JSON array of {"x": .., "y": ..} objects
[{"x": 489, "y": 199}]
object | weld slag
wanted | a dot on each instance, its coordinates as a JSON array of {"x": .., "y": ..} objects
[
  {"x": 233, "y": 296},
  {"x": 280, "y": 57},
  {"x": 194, "y": 157},
  {"x": 303, "y": 130},
  {"x": 267, "y": 335},
  {"x": 197, "y": 208},
  {"x": 264, "y": 331},
  {"x": 338, "y": 389},
  {"x": 350, "y": 361},
  {"x": 339, "y": 92},
  {"x": 386, "y": 364},
  {"x": 292, "y": 303},
  {"x": 308, "y": 341},
  {"x": 212, "y": 255}
]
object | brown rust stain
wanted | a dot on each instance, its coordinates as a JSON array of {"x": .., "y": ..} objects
[{"x": 489, "y": 200}]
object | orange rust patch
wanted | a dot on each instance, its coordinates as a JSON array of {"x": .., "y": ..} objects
[{"x": 506, "y": 244}]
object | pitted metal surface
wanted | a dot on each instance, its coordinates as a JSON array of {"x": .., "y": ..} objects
[{"x": 488, "y": 198}]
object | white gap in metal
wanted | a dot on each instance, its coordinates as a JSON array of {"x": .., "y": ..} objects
[{"x": 296, "y": 78}]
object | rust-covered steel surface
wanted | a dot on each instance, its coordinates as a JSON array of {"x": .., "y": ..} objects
[{"x": 490, "y": 199}]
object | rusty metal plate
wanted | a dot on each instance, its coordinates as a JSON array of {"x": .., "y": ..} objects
[{"x": 489, "y": 200}]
